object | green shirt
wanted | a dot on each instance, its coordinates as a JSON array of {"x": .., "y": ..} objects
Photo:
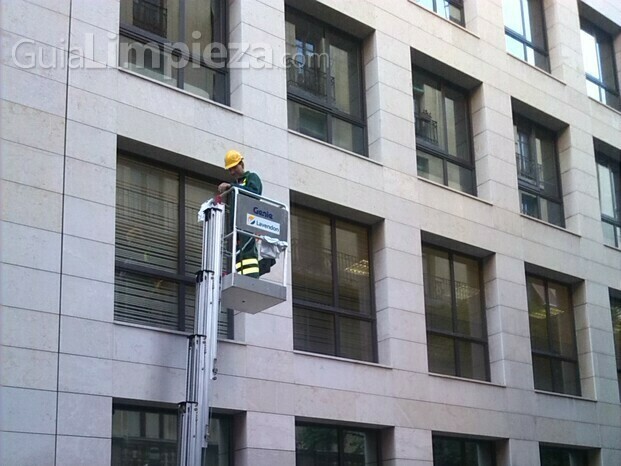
[{"x": 249, "y": 182}]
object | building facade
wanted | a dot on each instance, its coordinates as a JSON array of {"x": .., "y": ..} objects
[{"x": 453, "y": 172}]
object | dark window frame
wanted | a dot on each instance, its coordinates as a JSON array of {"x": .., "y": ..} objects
[
  {"x": 560, "y": 450},
  {"x": 459, "y": 4},
  {"x": 602, "y": 36},
  {"x": 550, "y": 355},
  {"x": 454, "y": 335},
  {"x": 165, "y": 46},
  {"x": 309, "y": 100},
  {"x": 182, "y": 279},
  {"x": 437, "y": 151},
  {"x": 615, "y": 167},
  {"x": 334, "y": 309},
  {"x": 145, "y": 408},
  {"x": 525, "y": 184},
  {"x": 615, "y": 297},
  {"x": 541, "y": 49},
  {"x": 340, "y": 430},
  {"x": 462, "y": 443}
]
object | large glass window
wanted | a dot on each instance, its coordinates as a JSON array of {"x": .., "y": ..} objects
[
  {"x": 525, "y": 31},
  {"x": 178, "y": 42},
  {"x": 320, "y": 445},
  {"x": 333, "y": 309},
  {"x": 452, "y": 10},
  {"x": 552, "y": 336},
  {"x": 148, "y": 436},
  {"x": 609, "y": 178},
  {"x": 442, "y": 132},
  {"x": 324, "y": 83},
  {"x": 538, "y": 173},
  {"x": 456, "y": 330},
  {"x": 599, "y": 64},
  {"x": 558, "y": 456},
  {"x": 158, "y": 245},
  {"x": 615, "y": 309},
  {"x": 455, "y": 451}
]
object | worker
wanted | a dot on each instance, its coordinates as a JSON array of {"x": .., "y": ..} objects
[{"x": 247, "y": 256}]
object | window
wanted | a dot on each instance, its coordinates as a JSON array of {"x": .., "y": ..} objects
[
  {"x": 615, "y": 310},
  {"x": 319, "y": 445},
  {"x": 538, "y": 174},
  {"x": 556, "y": 456},
  {"x": 176, "y": 42},
  {"x": 609, "y": 177},
  {"x": 454, "y": 311},
  {"x": 332, "y": 295},
  {"x": 158, "y": 245},
  {"x": 599, "y": 64},
  {"x": 525, "y": 31},
  {"x": 324, "y": 83},
  {"x": 452, "y": 10},
  {"x": 146, "y": 435},
  {"x": 454, "y": 451},
  {"x": 442, "y": 132},
  {"x": 552, "y": 336}
]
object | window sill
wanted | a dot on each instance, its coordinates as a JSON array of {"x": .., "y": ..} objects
[
  {"x": 457, "y": 191},
  {"x": 614, "y": 248},
  {"x": 182, "y": 91},
  {"x": 464, "y": 379},
  {"x": 414, "y": 2},
  {"x": 332, "y": 146},
  {"x": 544, "y": 72},
  {"x": 337, "y": 358},
  {"x": 169, "y": 331},
  {"x": 542, "y": 222},
  {"x": 602, "y": 104},
  {"x": 564, "y": 395}
]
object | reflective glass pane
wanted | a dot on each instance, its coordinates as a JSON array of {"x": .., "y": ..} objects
[
  {"x": 430, "y": 122},
  {"x": 453, "y": 12},
  {"x": 204, "y": 82},
  {"x": 552, "y": 212},
  {"x": 147, "y": 60},
  {"x": 307, "y": 121},
  {"x": 147, "y": 217},
  {"x": 594, "y": 91},
  {"x": 545, "y": 154},
  {"x": 529, "y": 204},
  {"x": 515, "y": 47},
  {"x": 615, "y": 310},
  {"x": 472, "y": 363},
  {"x": 352, "y": 264},
  {"x": 438, "y": 289},
  {"x": 311, "y": 256},
  {"x": 359, "y": 448},
  {"x": 345, "y": 75},
  {"x": 533, "y": 18},
  {"x": 430, "y": 167},
  {"x": 607, "y": 199},
  {"x": 159, "y": 17},
  {"x": 542, "y": 373},
  {"x": 426, "y": 3},
  {"x": 512, "y": 14},
  {"x": 356, "y": 339},
  {"x": 441, "y": 354},
  {"x": 145, "y": 300},
  {"x": 316, "y": 446},
  {"x": 565, "y": 375},
  {"x": 562, "y": 336},
  {"x": 447, "y": 452},
  {"x": 589, "y": 54},
  {"x": 537, "y": 314},
  {"x": 313, "y": 331},
  {"x": 218, "y": 451},
  {"x": 348, "y": 136},
  {"x": 460, "y": 178},
  {"x": 201, "y": 24},
  {"x": 467, "y": 291},
  {"x": 606, "y": 56},
  {"x": 457, "y": 131},
  {"x": 479, "y": 453},
  {"x": 609, "y": 231}
]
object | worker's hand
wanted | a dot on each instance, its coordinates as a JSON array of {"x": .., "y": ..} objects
[{"x": 223, "y": 187}]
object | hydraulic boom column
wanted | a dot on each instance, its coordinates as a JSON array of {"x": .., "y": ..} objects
[{"x": 203, "y": 343}]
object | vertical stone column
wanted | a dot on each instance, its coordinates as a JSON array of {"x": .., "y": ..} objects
[
  {"x": 264, "y": 439},
  {"x": 507, "y": 323},
  {"x": 402, "y": 446}
]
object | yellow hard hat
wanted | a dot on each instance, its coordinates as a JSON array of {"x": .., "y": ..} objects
[{"x": 232, "y": 158}]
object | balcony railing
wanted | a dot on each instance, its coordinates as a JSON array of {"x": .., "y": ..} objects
[
  {"x": 426, "y": 127},
  {"x": 308, "y": 78},
  {"x": 150, "y": 16}
]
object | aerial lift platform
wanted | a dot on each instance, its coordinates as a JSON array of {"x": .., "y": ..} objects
[{"x": 251, "y": 217}]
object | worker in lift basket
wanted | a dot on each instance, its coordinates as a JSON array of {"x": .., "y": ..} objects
[{"x": 247, "y": 256}]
